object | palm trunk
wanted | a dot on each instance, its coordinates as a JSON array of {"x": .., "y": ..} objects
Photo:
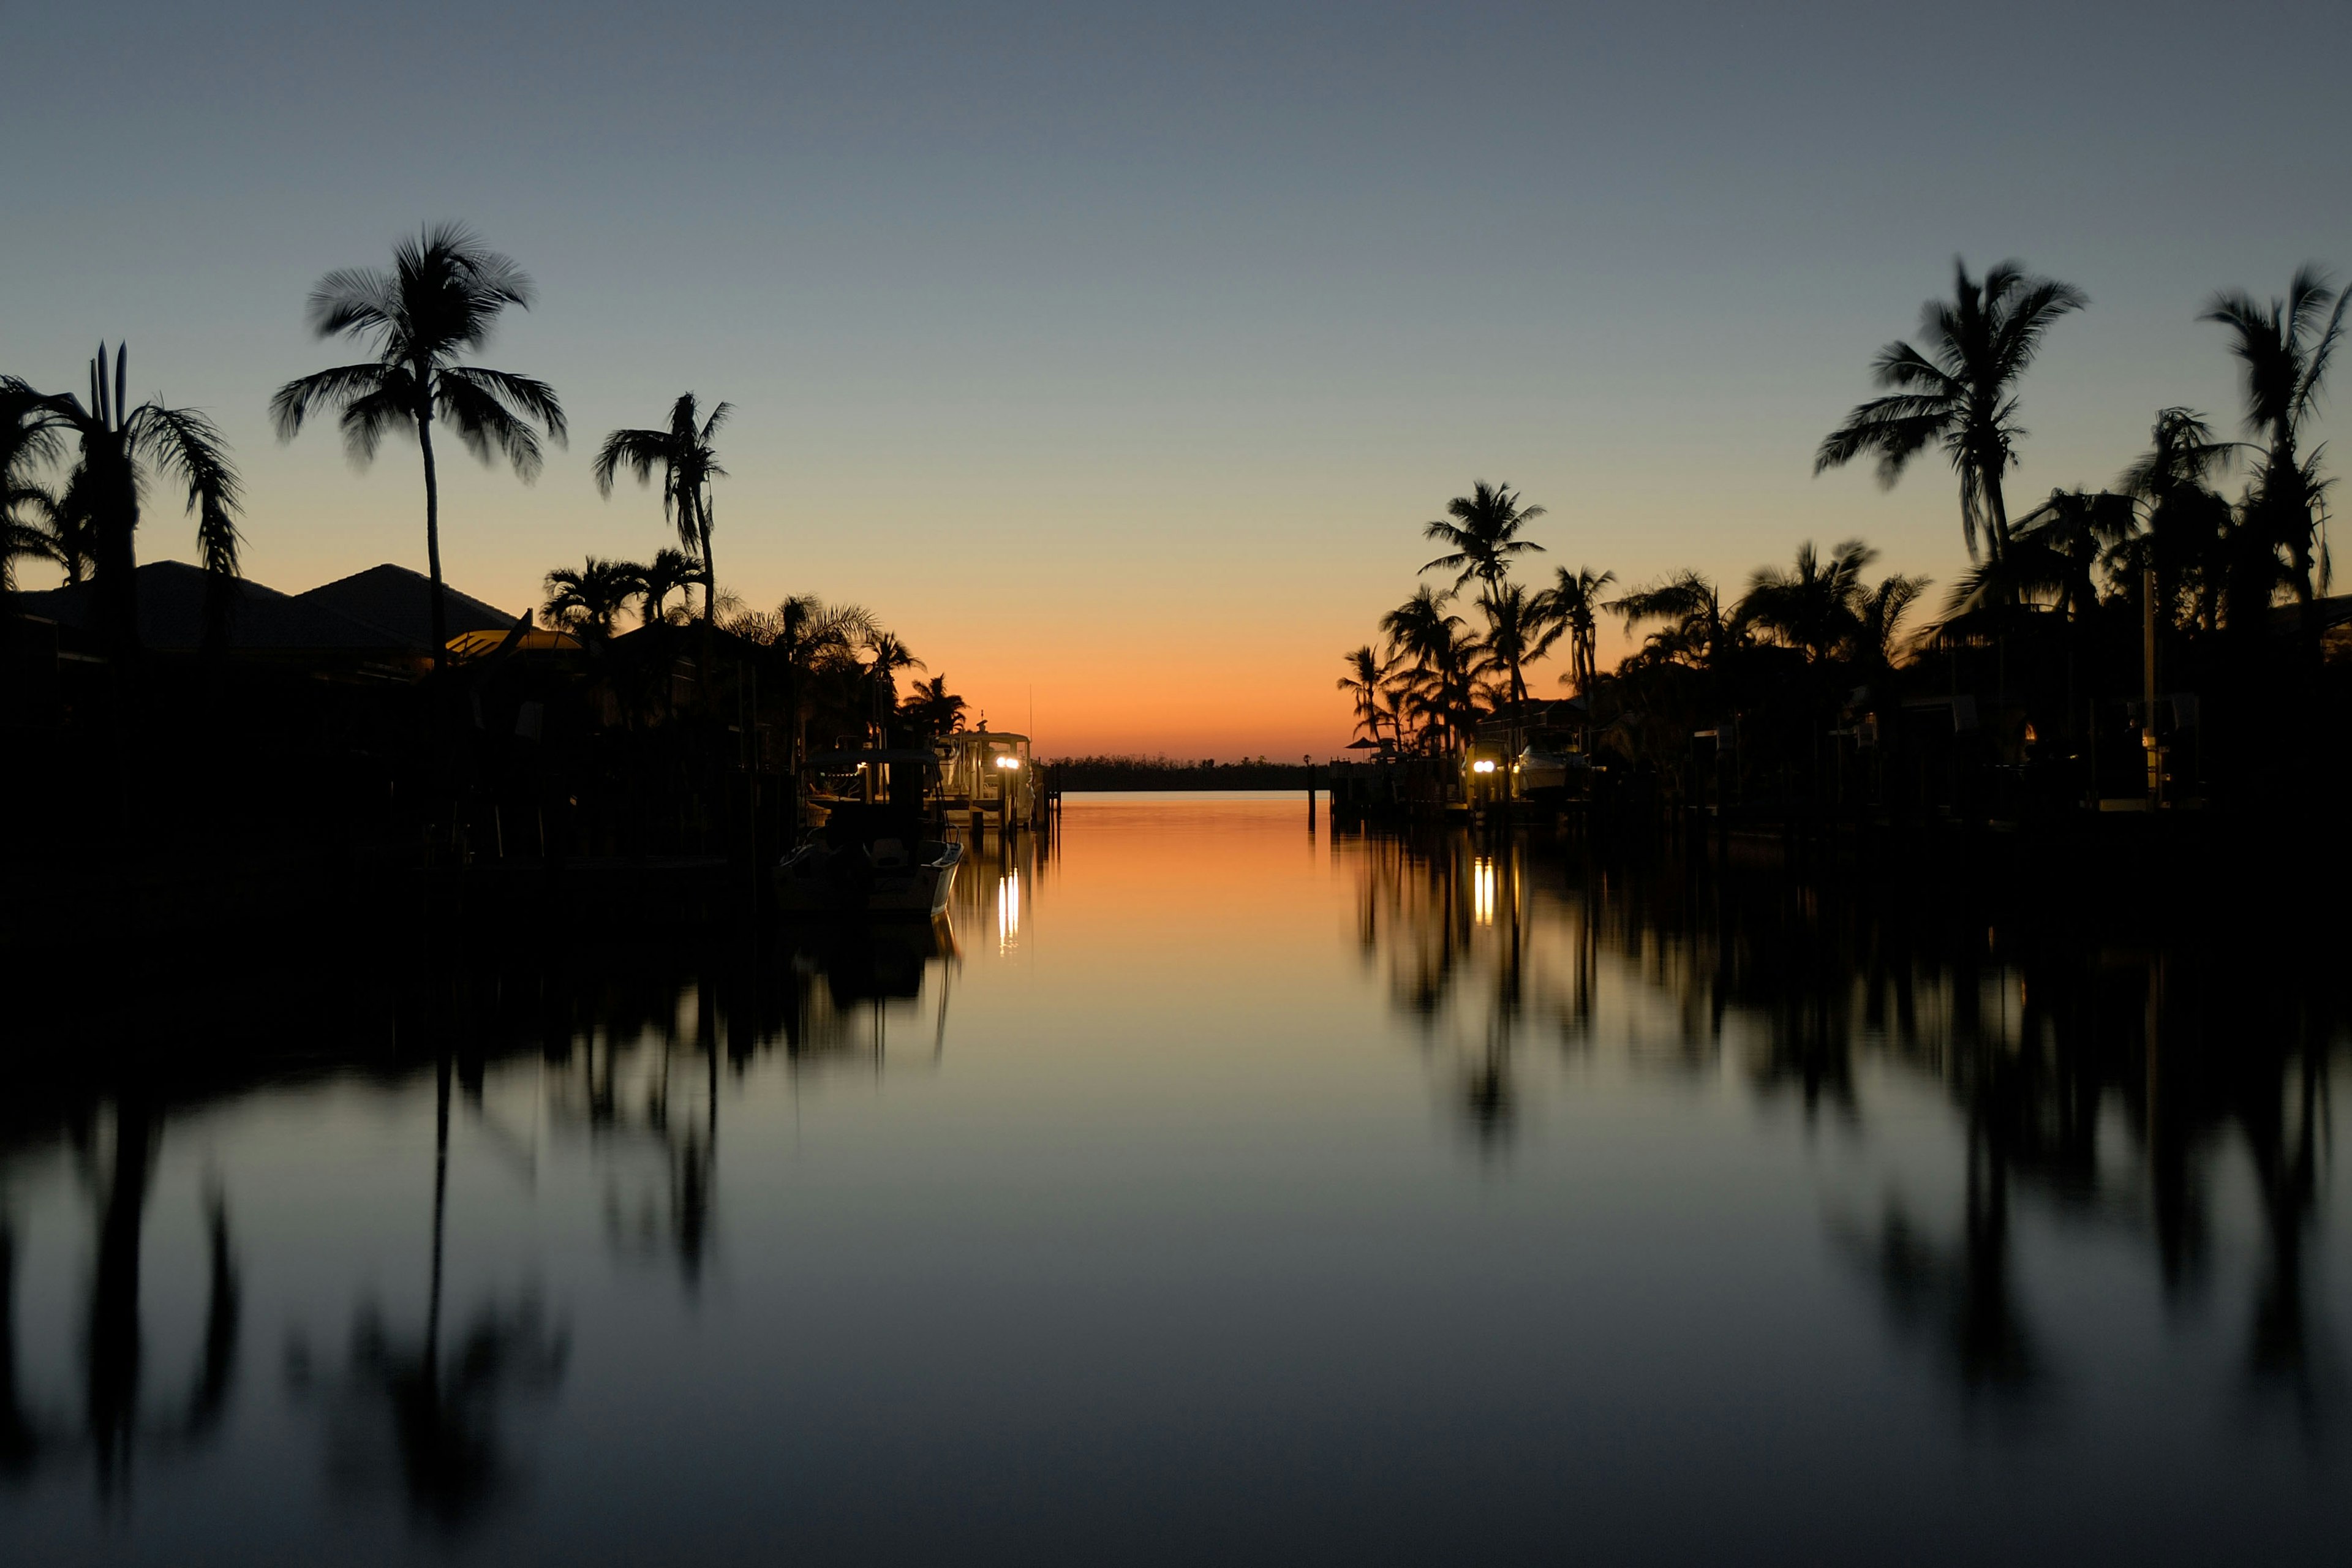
[
  {"x": 432, "y": 537},
  {"x": 1997, "y": 523},
  {"x": 710, "y": 569},
  {"x": 116, "y": 558}
]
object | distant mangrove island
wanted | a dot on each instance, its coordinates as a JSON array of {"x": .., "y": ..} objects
[{"x": 1175, "y": 773}]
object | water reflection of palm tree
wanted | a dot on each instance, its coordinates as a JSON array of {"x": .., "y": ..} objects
[
  {"x": 442, "y": 1407},
  {"x": 115, "y": 1425}
]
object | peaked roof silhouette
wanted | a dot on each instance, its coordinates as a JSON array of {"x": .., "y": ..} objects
[
  {"x": 172, "y": 613},
  {"x": 395, "y": 600}
]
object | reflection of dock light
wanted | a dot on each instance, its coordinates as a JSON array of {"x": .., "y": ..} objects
[
  {"x": 1482, "y": 889},
  {"x": 1008, "y": 910},
  {"x": 1482, "y": 767}
]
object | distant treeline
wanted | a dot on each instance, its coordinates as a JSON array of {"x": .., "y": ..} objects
[{"x": 1171, "y": 773}]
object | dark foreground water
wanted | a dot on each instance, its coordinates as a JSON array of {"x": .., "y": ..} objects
[{"x": 1209, "y": 1190}]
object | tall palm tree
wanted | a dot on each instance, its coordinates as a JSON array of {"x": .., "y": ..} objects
[
  {"x": 588, "y": 600},
  {"x": 683, "y": 452},
  {"x": 1812, "y": 608},
  {"x": 2186, "y": 522},
  {"x": 1421, "y": 630},
  {"x": 1574, "y": 602},
  {"x": 2285, "y": 348},
  {"x": 1481, "y": 531},
  {"x": 1519, "y": 631},
  {"x": 670, "y": 572},
  {"x": 886, "y": 657},
  {"x": 441, "y": 299},
  {"x": 118, "y": 445},
  {"x": 1367, "y": 677},
  {"x": 1959, "y": 391}
]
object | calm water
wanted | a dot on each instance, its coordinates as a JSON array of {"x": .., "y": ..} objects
[{"x": 1211, "y": 1189}]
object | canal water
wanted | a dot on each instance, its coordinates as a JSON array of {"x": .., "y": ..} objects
[{"x": 1209, "y": 1188}]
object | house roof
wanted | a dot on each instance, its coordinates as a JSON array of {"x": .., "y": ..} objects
[
  {"x": 396, "y": 600},
  {"x": 172, "y": 613}
]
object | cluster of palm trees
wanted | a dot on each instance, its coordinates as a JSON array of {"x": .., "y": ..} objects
[
  {"x": 111, "y": 453},
  {"x": 839, "y": 667},
  {"x": 1424, "y": 688},
  {"x": 2212, "y": 563},
  {"x": 2216, "y": 563}
]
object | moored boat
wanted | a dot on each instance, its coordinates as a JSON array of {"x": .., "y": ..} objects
[{"x": 869, "y": 859}]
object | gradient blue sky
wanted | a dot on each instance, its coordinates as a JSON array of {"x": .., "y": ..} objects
[{"x": 1115, "y": 354}]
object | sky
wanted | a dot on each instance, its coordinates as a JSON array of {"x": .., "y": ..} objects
[{"x": 1115, "y": 356}]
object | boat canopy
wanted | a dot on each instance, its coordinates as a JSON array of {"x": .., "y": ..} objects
[{"x": 858, "y": 759}]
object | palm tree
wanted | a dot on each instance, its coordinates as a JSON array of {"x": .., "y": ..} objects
[
  {"x": 1959, "y": 392},
  {"x": 2186, "y": 523},
  {"x": 683, "y": 452},
  {"x": 932, "y": 708},
  {"x": 804, "y": 636},
  {"x": 1519, "y": 631},
  {"x": 1878, "y": 619},
  {"x": 1573, "y": 601},
  {"x": 671, "y": 572},
  {"x": 2284, "y": 348},
  {"x": 587, "y": 601},
  {"x": 1420, "y": 629},
  {"x": 118, "y": 445},
  {"x": 1813, "y": 608},
  {"x": 889, "y": 656},
  {"x": 1368, "y": 673},
  {"x": 442, "y": 298},
  {"x": 1481, "y": 531},
  {"x": 1693, "y": 630},
  {"x": 30, "y": 510},
  {"x": 2078, "y": 531}
]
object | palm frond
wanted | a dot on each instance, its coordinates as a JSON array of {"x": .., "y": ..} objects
[
  {"x": 184, "y": 444},
  {"x": 341, "y": 385},
  {"x": 486, "y": 425}
]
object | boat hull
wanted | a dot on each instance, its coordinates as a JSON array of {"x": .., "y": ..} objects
[{"x": 809, "y": 884}]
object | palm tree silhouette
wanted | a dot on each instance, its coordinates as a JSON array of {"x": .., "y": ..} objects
[
  {"x": 803, "y": 636},
  {"x": 118, "y": 446},
  {"x": 670, "y": 572},
  {"x": 1573, "y": 601},
  {"x": 932, "y": 708},
  {"x": 1695, "y": 630},
  {"x": 888, "y": 656},
  {"x": 683, "y": 452},
  {"x": 1438, "y": 687},
  {"x": 1959, "y": 392},
  {"x": 1482, "y": 530},
  {"x": 587, "y": 601},
  {"x": 1368, "y": 673},
  {"x": 1878, "y": 619},
  {"x": 441, "y": 299},
  {"x": 32, "y": 525},
  {"x": 2186, "y": 523},
  {"x": 1813, "y": 608},
  {"x": 2285, "y": 348},
  {"x": 1519, "y": 631}
]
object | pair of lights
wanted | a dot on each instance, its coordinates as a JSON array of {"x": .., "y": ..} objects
[
  {"x": 1008, "y": 763},
  {"x": 1482, "y": 767}
]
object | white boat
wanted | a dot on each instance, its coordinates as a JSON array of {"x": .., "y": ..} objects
[{"x": 869, "y": 860}]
